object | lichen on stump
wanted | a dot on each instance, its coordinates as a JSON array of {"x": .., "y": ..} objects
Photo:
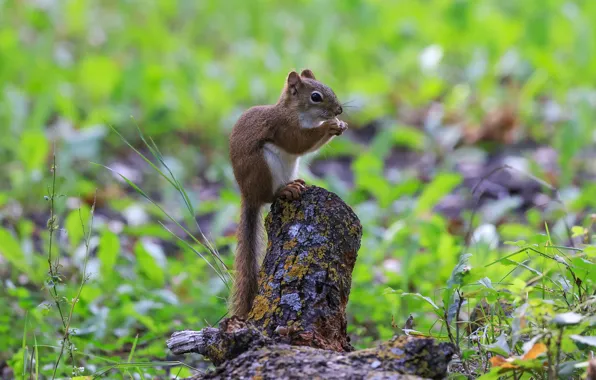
[
  {"x": 305, "y": 278},
  {"x": 304, "y": 287}
]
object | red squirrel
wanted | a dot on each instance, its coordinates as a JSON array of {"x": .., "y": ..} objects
[{"x": 265, "y": 146}]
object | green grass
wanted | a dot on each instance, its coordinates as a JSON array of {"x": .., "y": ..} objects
[{"x": 79, "y": 79}]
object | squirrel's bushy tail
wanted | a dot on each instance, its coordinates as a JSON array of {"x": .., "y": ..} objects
[{"x": 246, "y": 262}]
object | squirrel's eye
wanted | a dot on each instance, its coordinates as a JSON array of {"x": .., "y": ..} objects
[{"x": 316, "y": 97}]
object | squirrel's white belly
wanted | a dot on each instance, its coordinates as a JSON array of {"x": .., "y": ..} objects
[{"x": 283, "y": 165}]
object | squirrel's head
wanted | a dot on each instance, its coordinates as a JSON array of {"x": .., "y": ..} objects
[{"x": 309, "y": 96}]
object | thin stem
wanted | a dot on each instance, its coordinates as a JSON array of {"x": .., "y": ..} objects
[
  {"x": 453, "y": 340},
  {"x": 66, "y": 336},
  {"x": 559, "y": 344}
]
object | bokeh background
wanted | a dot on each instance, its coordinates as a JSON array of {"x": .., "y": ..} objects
[{"x": 439, "y": 94}]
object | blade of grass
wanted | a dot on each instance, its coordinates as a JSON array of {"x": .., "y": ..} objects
[
  {"x": 131, "y": 354},
  {"x": 80, "y": 353},
  {"x": 36, "y": 357},
  {"x": 172, "y": 182},
  {"x": 191, "y": 248},
  {"x": 31, "y": 363},
  {"x": 132, "y": 350},
  {"x": 142, "y": 193},
  {"x": 178, "y": 186},
  {"x": 24, "y": 346},
  {"x": 178, "y": 373}
]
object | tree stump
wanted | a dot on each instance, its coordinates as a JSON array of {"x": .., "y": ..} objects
[
  {"x": 297, "y": 326},
  {"x": 306, "y": 275}
]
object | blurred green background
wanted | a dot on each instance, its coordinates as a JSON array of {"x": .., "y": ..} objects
[{"x": 440, "y": 92}]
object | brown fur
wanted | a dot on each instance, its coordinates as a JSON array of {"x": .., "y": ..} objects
[{"x": 280, "y": 125}]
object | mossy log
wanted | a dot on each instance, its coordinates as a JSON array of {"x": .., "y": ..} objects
[{"x": 297, "y": 326}]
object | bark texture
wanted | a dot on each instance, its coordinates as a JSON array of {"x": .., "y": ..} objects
[
  {"x": 305, "y": 278},
  {"x": 297, "y": 326},
  {"x": 242, "y": 352}
]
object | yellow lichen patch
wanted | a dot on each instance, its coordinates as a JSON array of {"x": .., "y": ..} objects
[
  {"x": 267, "y": 321},
  {"x": 300, "y": 215},
  {"x": 394, "y": 348},
  {"x": 354, "y": 229},
  {"x": 289, "y": 261},
  {"x": 290, "y": 244},
  {"x": 297, "y": 270},
  {"x": 265, "y": 283},
  {"x": 259, "y": 308},
  {"x": 217, "y": 352},
  {"x": 265, "y": 288},
  {"x": 333, "y": 274},
  {"x": 288, "y": 214},
  {"x": 320, "y": 252}
]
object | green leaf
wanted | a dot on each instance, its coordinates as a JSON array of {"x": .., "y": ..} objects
[
  {"x": 17, "y": 361},
  {"x": 420, "y": 296},
  {"x": 584, "y": 268},
  {"x": 409, "y": 137},
  {"x": 11, "y": 250},
  {"x": 469, "y": 353},
  {"x": 367, "y": 165},
  {"x": 460, "y": 270},
  {"x": 33, "y": 149},
  {"x": 567, "y": 319},
  {"x": 98, "y": 75},
  {"x": 500, "y": 347},
  {"x": 577, "y": 231},
  {"x": 76, "y": 224},
  {"x": 519, "y": 243},
  {"x": 109, "y": 247},
  {"x": 456, "y": 279},
  {"x": 584, "y": 340},
  {"x": 437, "y": 189},
  {"x": 148, "y": 265},
  {"x": 486, "y": 282},
  {"x": 493, "y": 374}
]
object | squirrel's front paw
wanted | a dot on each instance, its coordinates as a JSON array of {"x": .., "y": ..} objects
[{"x": 336, "y": 126}]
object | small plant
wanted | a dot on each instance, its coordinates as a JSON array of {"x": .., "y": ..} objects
[
  {"x": 536, "y": 320},
  {"x": 54, "y": 283}
]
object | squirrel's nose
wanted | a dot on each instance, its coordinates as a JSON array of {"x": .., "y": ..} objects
[{"x": 338, "y": 111}]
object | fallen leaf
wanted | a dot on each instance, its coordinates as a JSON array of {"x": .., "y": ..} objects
[
  {"x": 535, "y": 351},
  {"x": 499, "y": 361},
  {"x": 508, "y": 363}
]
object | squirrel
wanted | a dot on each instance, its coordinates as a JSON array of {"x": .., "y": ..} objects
[{"x": 265, "y": 146}]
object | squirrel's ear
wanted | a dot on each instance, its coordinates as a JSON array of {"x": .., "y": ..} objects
[
  {"x": 293, "y": 82},
  {"x": 307, "y": 74}
]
